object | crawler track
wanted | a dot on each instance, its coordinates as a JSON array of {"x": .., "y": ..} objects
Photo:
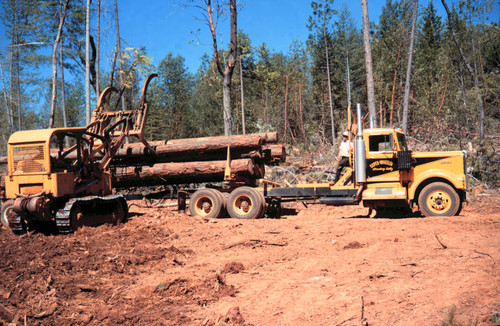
[{"x": 91, "y": 210}]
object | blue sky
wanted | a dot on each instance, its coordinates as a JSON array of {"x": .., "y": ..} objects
[{"x": 164, "y": 26}]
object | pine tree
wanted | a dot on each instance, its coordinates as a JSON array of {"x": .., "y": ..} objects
[
  {"x": 390, "y": 45},
  {"x": 348, "y": 56},
  {"x": 319, "y": 24},
  {"x": 170, "y": 98}
]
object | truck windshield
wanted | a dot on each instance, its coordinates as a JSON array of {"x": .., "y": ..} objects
[{"x": 402, "y": 142}]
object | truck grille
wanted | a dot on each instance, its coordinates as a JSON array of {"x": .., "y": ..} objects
[{"x": 404, "y": 160}]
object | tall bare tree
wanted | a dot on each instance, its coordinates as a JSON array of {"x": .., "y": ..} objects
[
  {"x": 332, "y": 119},
  {"x": 63, "y": 90},
  {"x": 324, "y": 13},
  {"x": 242, "y": 94},
  {"x": 368, "y": 63},
  {"x": 98, "y": 41},
  {"x": 87, "y": 63},
  {"x": 118, "y": 54},
  {"x": 54, "y": 63},
  {"x": 408, "y": 69},
  {"x": 227, "y": 72}
]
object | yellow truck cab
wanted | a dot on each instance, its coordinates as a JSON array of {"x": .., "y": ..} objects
[
  {"x": 397, "y": 177},
  {"x": 384, "y": 174}
]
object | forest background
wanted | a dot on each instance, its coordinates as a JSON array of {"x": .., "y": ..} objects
[{"x": 286, "y": 91}]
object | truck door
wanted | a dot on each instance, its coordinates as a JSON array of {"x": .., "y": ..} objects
[{"x": 381, "y": 158}]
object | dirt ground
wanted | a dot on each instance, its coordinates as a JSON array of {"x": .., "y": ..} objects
[{"x": 316, "y": 266}]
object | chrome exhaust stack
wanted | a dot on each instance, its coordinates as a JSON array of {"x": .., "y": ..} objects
[{"x": 359, "y": 150}]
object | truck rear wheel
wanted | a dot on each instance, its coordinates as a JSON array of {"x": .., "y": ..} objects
[
  {"x": 207, "y": 203},
  {"x": 245, "y": 203},
  {"x": 438, "y": 199}
]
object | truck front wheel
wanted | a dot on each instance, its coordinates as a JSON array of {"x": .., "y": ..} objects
[{"x": 438, "y": 199}]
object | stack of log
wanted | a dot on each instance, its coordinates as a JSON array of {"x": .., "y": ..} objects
[
  {"x": 193, "y": 160},
  {"x": 196, "y": 160}
]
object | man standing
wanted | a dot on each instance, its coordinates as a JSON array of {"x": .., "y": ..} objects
[{"x": 343, "y": 157}]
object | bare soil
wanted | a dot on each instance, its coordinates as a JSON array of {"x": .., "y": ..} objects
[{"x": 314, "y": 266}]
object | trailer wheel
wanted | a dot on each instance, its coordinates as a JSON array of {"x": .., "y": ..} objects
[
  {"x": 245, "y": 203},
  {"x": 6, "y": 207},
  {"x": 438, "y": 199},
  {"x": 206, "y": 202},
  {"x": 223, "y": 201}
]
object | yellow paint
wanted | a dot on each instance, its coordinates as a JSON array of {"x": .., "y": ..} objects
[{"x": 29, "y": 167}]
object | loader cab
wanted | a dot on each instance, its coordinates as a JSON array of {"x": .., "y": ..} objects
[
  {"x": 38, "y": 161},
  {"x": 66, "y": 150}
]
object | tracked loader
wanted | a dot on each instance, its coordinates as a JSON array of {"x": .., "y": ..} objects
[{"x": 62, "y": 176}]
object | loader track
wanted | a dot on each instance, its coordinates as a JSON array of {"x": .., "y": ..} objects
[{"x": 65, "y": 215}]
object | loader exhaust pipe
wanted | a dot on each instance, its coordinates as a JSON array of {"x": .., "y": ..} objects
[{"x": 359, "y": 150}]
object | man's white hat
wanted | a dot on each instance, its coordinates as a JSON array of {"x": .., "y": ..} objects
[{"x": 345, "y": 134}]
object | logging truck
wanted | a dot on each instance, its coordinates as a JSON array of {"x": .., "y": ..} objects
[
  {"x": 383, "y": 175},
  {"x": 68, "y": 176}
]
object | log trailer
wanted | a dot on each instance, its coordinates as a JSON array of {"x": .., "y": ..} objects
[
  {"x": 383, "y": 174},
  {"x": 63, "y": 175}
]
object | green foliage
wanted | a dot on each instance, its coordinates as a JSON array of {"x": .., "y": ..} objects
[
  {"x": 347, "y": 64},
  {"x": 169, "y": 100},
  {"x": 389, "y": 50},
  {"x": 206, "y": 102}
]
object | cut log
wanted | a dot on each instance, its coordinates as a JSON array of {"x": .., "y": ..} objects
[
  {"x": 274, "y": 154},
  {"x": 194, "y": 149},
  {"x": 148, "y": 159},
  {"x": 196, "y": 146},
  {"x": 270, "y": 137},
  {"x": 216, "y": 142},
  {"x": 266, "y": 137},
  {"x": 151, "y": 143},
  {"x": 187, "y": 172},
  {"x": 187, "y": 150}
]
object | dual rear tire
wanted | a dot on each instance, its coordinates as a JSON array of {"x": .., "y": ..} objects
[
  {"x": 242, "y": 203},
  {"x": 207, "y": 202},
  {"x": 246, "y": 203}
]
